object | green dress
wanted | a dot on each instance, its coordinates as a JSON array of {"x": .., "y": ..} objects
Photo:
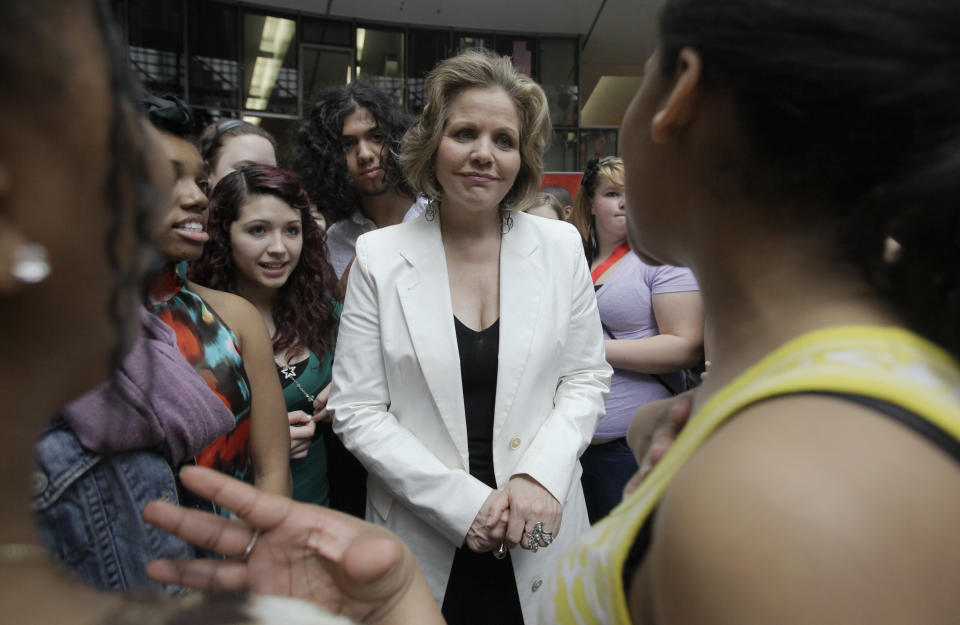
[{"x": 310, "y": 484}]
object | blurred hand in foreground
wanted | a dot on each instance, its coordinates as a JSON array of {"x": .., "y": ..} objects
[
  {"x": 652, "y": 431},
  {"x": 346, "y": 565}
]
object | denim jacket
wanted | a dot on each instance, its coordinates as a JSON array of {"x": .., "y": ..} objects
[{"x": 88, "y": 509}]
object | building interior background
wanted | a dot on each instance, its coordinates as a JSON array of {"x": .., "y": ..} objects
[{"x": 264, "y": 61}]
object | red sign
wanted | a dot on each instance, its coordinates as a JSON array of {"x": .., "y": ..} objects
[{"x": 569, "y": 180}]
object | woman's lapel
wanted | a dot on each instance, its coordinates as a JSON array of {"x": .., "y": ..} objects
[
  {"x": 428, "y": 313},
  {"x": 523, "y": 282}
]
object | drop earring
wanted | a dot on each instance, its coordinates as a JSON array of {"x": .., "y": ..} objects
[{"x": 29, "y": 264}]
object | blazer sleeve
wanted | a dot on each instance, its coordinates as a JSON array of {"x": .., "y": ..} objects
[
  {"x": 581, "y": 393},
  {"x": 446, "y": 499}
]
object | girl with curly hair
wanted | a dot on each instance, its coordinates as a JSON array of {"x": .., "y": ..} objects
[
  {"x": 652, "y": 320},
  {"x": 265, "y": 247}
]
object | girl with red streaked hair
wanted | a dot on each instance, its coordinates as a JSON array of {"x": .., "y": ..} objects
[{"x": 265, "y": 247}]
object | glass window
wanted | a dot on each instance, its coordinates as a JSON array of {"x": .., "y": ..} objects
[
  {"x": 559, "y": 79},
  {"x": 468, "y": 41},
  {"x": 214, "y": 55},
  {"x": 425, "y": 49},
  {"x": 380, "y": 60},
  {"x": 597, "y": 142},
  {"x": 269, "y": 64},
  {"x": 562, "y": 155},
  {"x": 156, "y": 44},
  {"x": 329, "y": 32},
  {"x": 518, "y": 49},
  {"x": 323, "y": 66}
]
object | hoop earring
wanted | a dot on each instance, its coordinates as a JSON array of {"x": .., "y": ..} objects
[{"x": 506, "y": 221}]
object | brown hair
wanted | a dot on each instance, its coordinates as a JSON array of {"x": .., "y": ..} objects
[
  {"x": 545, "y": 199},
  {"x": 215, "y": 136},
  {"x": 452, "y": 76}
]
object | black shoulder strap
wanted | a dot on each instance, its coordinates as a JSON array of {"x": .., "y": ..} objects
[{"x": 930, "y": 431}]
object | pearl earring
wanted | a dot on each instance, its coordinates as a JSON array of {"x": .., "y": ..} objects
[{"x": 29, "y": 263}]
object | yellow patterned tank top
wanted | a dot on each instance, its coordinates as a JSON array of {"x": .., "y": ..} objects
[{"x": 887, "y": 364}]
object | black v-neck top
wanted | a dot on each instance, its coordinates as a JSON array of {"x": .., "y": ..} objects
[{"x": 478, "y": 373}]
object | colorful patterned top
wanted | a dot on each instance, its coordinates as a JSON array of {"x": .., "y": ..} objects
[
  {"x": 214, "y": 351},
  {"x": 887, "y": 364}
]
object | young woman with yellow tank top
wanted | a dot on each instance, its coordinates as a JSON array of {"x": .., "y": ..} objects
[{"x": 775, "y": 148}]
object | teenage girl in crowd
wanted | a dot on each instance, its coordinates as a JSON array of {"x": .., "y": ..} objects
[
  {"x": 773, "y": 148},
  {"x": 652, "y": 319},
  {"x": 265, "y": 247},
  {"x": 220, "y": 334},
  {"x": 545, "y": 205},
  {"x": 230, "y": 144}
]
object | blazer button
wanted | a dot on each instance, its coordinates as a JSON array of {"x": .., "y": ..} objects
[
  {"x": 537, "y": 583},
  {"x": 514, "y": 442}
]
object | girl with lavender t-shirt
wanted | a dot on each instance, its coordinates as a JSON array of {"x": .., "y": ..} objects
[{"x": 653, "y": 323}]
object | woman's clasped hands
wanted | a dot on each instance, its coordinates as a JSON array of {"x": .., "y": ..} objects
[{"x": 523, "y": 513}]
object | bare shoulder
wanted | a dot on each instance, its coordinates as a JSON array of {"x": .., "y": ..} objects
[
  {"x": 807, "y": 509},
  {"x": 236, "y": 312}
]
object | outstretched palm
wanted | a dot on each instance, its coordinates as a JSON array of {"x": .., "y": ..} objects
[{"x": 348, "y": 566}]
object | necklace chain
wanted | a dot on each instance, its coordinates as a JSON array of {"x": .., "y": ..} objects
[{"x": 290, "y": 373}]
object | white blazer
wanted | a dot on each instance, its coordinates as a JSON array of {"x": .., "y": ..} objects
[{"x": 397, "y": 398}]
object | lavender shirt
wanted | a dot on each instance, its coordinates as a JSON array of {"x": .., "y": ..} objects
[{"x": 626, "y": 308}]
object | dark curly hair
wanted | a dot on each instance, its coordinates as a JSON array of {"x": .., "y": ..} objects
[
  {"x": 304, "y": 308},
  {"x": 319, "y": 158}
]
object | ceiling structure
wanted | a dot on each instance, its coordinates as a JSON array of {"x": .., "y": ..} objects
[{"x": 617, "y": 35}]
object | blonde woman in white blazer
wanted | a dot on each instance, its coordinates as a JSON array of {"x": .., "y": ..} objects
[{"x": 398, "y": 397}]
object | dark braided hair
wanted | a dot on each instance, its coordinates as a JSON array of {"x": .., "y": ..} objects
[
  {"x": 303, "y": 310},
  {"x": 852, "y": 106},
  {"x": 170, "y": 114},
  {"x": 127, "y": 181},
  {"x": 320, "y": 161}
]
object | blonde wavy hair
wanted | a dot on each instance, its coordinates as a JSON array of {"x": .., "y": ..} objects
[
  {"x": 478, "y": 69},
  {"x": 597, "y": 170}
]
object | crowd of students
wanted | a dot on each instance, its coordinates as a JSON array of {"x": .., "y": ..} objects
[{"x": 453, "y": 362}]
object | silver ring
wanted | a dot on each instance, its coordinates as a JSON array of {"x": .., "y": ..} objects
[
  {"x": 500, "y": 552},
  {"x": 249, "y": 549},
  {"x": 537, "y": 535}
]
